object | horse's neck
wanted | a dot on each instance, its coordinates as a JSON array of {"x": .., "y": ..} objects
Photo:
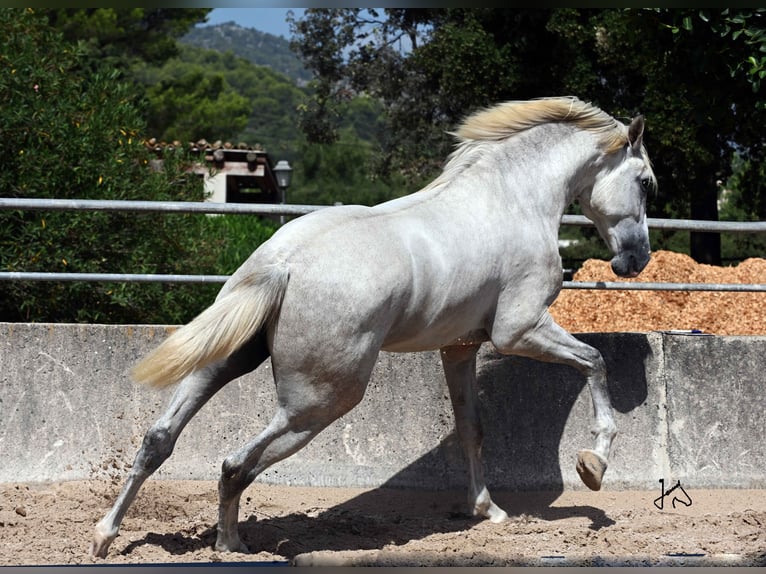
[
  {"x": 539, "y": 171},
  {"x": 534, "y": 174}
]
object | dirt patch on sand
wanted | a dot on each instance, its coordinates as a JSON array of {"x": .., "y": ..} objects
[{"x": 174, "y": 521}]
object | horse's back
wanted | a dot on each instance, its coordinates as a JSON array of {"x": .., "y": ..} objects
[
  {"x": 411, "y": 274},
  {"x": 356, "y": 269}
]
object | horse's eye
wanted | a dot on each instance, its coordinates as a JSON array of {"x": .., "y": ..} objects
[{"x": 646, "y": 184}]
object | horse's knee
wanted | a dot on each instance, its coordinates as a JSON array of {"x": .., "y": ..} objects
[{"x": 593, "y": 363}]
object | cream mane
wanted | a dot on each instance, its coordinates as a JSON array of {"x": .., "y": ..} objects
[{"x": 506, "y": 119}]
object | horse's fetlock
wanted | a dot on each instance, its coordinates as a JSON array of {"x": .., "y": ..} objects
[
  {"x": 595, "y": 365},
  {"x": 605, "y": 429}
]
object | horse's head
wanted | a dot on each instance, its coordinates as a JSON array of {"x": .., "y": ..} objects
[{"x": 616, "y": 203}]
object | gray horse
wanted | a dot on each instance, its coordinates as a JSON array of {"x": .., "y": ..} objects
[{"x": 472, "y": 257}]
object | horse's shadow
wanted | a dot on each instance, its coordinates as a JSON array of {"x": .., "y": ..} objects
[
  {"x": 370, "y": 521},
  {"x": 381, "y": 517},
  {"x": 521, "y": 460}
]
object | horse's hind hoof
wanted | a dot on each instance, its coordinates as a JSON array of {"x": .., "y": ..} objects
[
  {"x": 103, "y": 536},
  {"x": 99, "y": 548},
  {"x": 591, "y": 467},
  {"x": 233, "y": 546}
]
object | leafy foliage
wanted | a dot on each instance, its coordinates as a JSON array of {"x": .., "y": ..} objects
[
  {"x": 342, "y": 172},
  {"x": 181, "y": 106},
  {"x": 272, "y": 98},
  {"x": 74, "y": 130},
  {"x": 188, "y": 102},
  {"x": 74, "y": 133},
  {"x": 120, "y": 37},
  {"x": 204, "y": 93},
  {"x": 745, "y": 31}
]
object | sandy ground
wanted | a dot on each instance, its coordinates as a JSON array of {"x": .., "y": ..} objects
[{"x": 174, "y": 521}]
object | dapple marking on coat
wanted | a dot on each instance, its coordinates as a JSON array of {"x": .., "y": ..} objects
[{"x": 472, "y": 257}]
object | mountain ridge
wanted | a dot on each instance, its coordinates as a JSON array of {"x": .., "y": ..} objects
[{"x": 260, "y": 48}]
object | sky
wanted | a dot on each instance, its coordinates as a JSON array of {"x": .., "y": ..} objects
[{"x": 271, "y": 20}]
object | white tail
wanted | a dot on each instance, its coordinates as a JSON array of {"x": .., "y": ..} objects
[{"x": 218, "y": 331}]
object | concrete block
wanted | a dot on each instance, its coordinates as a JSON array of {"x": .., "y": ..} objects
[
  {"x": 686, "y": 407},
  {"x": 67, "y": 407},
  {"x": 716, "y": 411}
]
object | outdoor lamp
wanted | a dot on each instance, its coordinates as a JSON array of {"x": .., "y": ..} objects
[{"x": 283, "y": 173}]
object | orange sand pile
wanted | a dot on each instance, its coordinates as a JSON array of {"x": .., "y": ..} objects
[{"x": 721, "y": 313}]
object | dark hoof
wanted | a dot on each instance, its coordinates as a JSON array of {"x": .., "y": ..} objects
[{"x": 591, "y": 467}]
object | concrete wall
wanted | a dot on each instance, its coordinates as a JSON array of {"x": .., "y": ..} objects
[{"x": 688, "y": 408}]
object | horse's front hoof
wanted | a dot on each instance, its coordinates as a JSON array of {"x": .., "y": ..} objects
[
  {"x": 591, "y": 467},
  {"x": 98, "y": 549}
]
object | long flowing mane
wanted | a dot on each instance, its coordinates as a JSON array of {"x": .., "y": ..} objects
[{"x": 509, "y": 118}]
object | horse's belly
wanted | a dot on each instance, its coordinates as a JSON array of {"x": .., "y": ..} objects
[
  {"x": 420, "y": 342},
  {"x": 415, "y": 336},
  {"x": 414, "y": 345}
]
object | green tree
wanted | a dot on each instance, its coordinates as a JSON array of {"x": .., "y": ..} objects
[
  {"x": 72, "y": 130},
  {"x": 121, "y": 37},
  {"x": 187, "y": 103},
  {"x": 428, "y": 67},
  {"x": 215, "y": 95},
  {"x": 743, "y": 198},
  {"x": 179, "y": 92},
  {"x": 342, "y": 172}
]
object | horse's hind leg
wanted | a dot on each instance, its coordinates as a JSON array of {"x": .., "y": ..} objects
[
  {"x": 275, "y": 443},
  {"x": 307, "y": 406},
  {"x": 459, "y": 364},
  {"x": 192, "y": 393}
]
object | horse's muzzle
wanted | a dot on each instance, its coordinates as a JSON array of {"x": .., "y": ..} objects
[{"x": 630, "y": 263}]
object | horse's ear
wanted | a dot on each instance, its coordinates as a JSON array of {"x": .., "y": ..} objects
[{"x": 636, "y": 133}]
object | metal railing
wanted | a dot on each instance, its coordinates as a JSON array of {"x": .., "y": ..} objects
[{"x": 24, "y": 204}]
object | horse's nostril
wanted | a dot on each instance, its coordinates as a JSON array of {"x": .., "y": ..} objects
[{"x": 627, "y": 265}]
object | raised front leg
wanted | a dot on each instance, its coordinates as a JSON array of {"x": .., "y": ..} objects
[
  {"x": 460, "y": 371},
  {"x": 548, "y": 342}
]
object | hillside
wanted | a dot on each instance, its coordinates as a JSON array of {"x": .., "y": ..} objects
[{"x": 258, "y": 47}]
